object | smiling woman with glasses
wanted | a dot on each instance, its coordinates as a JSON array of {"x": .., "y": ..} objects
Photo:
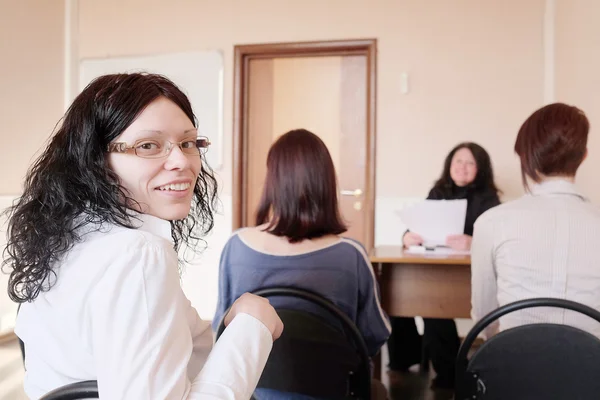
[{"x": 93, "y": 254}]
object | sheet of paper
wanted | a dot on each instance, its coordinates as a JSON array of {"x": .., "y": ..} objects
[
  {"x": 435, "y": 220},
  {"x": 438, "y": 251}
]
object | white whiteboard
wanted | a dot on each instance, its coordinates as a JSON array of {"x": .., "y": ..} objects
[{"x": 199, "y": 74}]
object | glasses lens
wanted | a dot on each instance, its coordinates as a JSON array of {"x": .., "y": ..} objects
[
  {"x": 148, "y": 148},
  {"x": 189, "y": 147},
  {"x": 202, "y": 144}
]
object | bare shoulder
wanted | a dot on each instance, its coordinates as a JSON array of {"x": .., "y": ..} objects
[{"x": 251, "y": 234}]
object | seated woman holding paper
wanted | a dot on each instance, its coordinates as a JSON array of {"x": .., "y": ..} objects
[
  {"x": 544, "y": 244},
  {"x": 467, "y": 174}
]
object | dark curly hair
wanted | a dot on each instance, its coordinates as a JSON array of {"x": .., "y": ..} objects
[
  {"x": 70, "y": 185},
  {"x": 484, "y": 180}
]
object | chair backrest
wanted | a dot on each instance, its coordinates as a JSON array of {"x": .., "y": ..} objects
[
  {"x": 312, "y": 356},
  {"x": 21, "y": 344},
  {"x": 535, "y": 361},
  {"x": 22, "y": 347},
  {"x": 74, "y": 391}
]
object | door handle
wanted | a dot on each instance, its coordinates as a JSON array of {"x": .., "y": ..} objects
[{"x": 355, "y": 193}]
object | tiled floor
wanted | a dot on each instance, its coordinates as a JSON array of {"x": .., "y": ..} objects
[
  {"x": 11, "y": 371},
  {"x": 415, "y": 386}
]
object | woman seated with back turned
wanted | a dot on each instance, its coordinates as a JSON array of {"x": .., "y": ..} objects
[
  {"x": 544, "y": 244},
  {"x": 296, "y": 243},
  {"x": 467, "y": 174}
]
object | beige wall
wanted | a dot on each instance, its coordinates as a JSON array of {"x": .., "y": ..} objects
[
  {"x": 475, "y": 67},
  {"x": 476, "y": 71},
  {"x": 578, "y": 75},
  {"x": 31, "y": 83},
  {"x": 31, "y": 100}
]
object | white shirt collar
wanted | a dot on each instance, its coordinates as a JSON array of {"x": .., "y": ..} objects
[
  {"x": 152, "y": 224},
  {"x": 555, "y": 186}
]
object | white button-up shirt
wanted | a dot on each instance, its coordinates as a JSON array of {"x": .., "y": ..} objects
[
  {"x": 545, "y": 244},
  {"x": 117, "y": 315}
]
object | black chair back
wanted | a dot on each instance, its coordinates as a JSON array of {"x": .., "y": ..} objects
[
  {"x": 535, "y": 361},
  {"x": 74, "y": 391},
  {"x": 21, "y": 344},
  {"x": 312, "y": 357}
]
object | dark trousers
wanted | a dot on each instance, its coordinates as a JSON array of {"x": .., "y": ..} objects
[{"x": 440, "y": 339}]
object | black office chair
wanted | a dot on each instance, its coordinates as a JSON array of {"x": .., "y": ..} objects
[
  {"x": 74, "y": 391},
  {"x": 535, "y": 361},
  {"x": 21, "y": 344},
  {"x": 312, "y": 357}
]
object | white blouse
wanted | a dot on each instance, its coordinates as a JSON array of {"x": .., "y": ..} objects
[
  {"x": 118, "y": 315},
  {"x": 545, "y": 244}
]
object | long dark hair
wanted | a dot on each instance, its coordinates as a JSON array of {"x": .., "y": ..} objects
[
  {"x": 299, "y": 199},
  {"x": 70, "y": 185},
  {"x": 484, "y": 180}
]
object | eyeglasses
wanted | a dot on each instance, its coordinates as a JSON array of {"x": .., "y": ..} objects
[{"x": 153, "y": 148}]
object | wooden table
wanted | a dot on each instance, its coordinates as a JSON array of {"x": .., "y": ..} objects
[{"x": 423, "y": 285}]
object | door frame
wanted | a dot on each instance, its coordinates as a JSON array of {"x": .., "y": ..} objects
[{"x": 243, "y": 55}]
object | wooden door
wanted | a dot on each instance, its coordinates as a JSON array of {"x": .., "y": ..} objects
[{"x": 329, "y": 96}]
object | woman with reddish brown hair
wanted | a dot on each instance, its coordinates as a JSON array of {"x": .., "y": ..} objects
[
  {"x": 297, "y": 243},
  {"x": 545, "y": 243}
]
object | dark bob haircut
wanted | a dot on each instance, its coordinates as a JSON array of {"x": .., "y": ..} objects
[
  {"x": 299, "y": 200},
  {"x": 71, "y": 186},
  {"x": 484, "y": 180},
  {"x": 552, "y": 142}
]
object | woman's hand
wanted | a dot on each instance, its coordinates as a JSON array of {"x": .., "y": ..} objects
[
  {"x": 459, "y": 242},
  {"x": 411, "y": 239},
  {"x": 259, "y": 308}
]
